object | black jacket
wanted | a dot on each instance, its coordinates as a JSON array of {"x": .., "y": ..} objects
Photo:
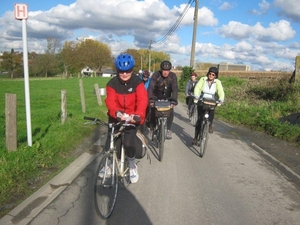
[{"x": 163, "y": 87}]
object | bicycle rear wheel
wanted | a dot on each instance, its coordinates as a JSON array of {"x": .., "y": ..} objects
[
  {"x": 161, "y": 140},
  {"x": 203, "y": 139},
  {"x": 106, "y": 186}
]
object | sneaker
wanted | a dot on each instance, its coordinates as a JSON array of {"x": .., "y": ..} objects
[
  {"x": 150, "y": 133},
  {"x": 134, "y": 176},
  {"x": 210, "y": 130},
  {"x": 169, "y": 134},
  {"x": 102, "y": 172},
  {"x": 194, "y": 141}
]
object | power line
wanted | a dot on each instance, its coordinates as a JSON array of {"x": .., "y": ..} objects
[{"x": 176, "y": 24}]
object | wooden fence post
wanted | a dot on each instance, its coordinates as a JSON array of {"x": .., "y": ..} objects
[
  {"x": 297, "y": 68},
  {"x": 82, "y": 95},
  {"x": 11, "y": 121},
  {"x": 97, "y": 92},
  {"x": 63, "y": 106}
]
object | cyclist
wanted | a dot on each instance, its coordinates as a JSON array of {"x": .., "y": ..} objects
[
  {"x": 163, "y": 86},
  {"x": 127, "y": 100},
  {"x": 146, "y": 78},
  {"x": 208, "y": 87},
  {"x": 189, "y": 92}
]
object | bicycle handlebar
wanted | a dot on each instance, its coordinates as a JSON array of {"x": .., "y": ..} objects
[{"x": 96, "y": 120}]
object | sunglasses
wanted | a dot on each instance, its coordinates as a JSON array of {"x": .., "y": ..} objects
[
  {"x": 213, "y": 74},
  {"x": 123, "y": 72}
]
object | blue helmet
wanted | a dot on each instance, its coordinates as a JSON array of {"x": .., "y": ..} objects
[{"x": 124, "y": 62}]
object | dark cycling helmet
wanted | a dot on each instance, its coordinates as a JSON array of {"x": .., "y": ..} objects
[
  {"x": 124, "y": 62},
  {"x": 166, "y": 65},
  {"x": 214, "y": 70},
  {"x": 146, "y": 73}
]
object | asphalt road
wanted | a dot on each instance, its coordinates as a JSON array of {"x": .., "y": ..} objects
[{"x": 237, "y": 182}]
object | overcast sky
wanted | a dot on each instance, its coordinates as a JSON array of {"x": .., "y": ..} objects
[{"x": 264, "y": 34}]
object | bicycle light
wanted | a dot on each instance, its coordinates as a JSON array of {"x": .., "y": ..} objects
[{"x": 206, "y": 115}]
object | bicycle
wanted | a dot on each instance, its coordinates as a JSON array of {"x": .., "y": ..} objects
[
  {"x": 193, "y": 113},
  {"x": 110, "y": 170},
  {"x": 202, "y": 139},
  {"x": 162, "y": 111}
]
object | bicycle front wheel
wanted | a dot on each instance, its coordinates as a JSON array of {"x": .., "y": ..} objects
[
  {"x": 125, "y": 177},
  {"x": 161, "y": 141},
  {"x": 106, "y": 186},
  {"x": 203, "y": 139},
  {"x": 194, "y": 116}
]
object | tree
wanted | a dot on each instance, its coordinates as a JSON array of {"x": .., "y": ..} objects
[
  {"x": 90, "y": 53},
  {"x": 185, "y": 76},
  {"x": 12, "y": 62},
  {"x": 48, "y": 61},
  {"x": 94, "y": 54}
]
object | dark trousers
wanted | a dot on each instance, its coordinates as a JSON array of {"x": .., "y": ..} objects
[
  {"x": 189, "y": 100},
  {"x": 200, "y": 118},
  {"x": 152, "y": 118},
  {"x": 128, "y": 141}
]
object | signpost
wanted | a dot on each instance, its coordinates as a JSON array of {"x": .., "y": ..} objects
[{"x": 21, "y": 13}]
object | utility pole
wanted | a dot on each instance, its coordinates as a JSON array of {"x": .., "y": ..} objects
[
  {"x": 192, "y": 62},
  {"x": 149, "y": 55}
]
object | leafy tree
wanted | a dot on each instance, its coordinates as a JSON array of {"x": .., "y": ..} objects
[
  {"x": 185, "y": 76},
  {"x": 94, "y": 54},
  {"x": 12, "y": 62},
  {"x": 70, "y": 58}
]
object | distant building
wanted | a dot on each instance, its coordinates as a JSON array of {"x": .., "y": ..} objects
[
  {"x": 224, "y": 66},
  {"x": 87, "y": 72}
]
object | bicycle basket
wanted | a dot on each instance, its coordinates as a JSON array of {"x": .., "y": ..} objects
[
  {"x": 162, "y": 109},
  {"x": 209, "y": 104}
]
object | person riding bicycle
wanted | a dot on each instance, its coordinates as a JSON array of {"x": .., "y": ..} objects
[
  {"x": 163, "y": 86},
  {"x": 146, "y": 78},
  {"x": 208, "y": 87},
  {"x": 189, "y": 92},
  {"x": 127, "y": 100}
]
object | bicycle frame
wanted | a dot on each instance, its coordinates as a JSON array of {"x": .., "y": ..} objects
[
  {"x": 162, "y": 112},
  {"x": 203, "y": 133}
]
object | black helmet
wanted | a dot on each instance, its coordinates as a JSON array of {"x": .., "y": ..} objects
[
  {"x": 214, "y": 70},
  {"x": 146, "y": 73},
  {"x": 166, "y": 65}
]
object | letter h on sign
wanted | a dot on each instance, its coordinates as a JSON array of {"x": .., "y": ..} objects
[{"x": 21, "y": 12}]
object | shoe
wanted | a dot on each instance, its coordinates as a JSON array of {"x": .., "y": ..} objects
[
  {"x": 134, "y": 176},
  {"x": 210, "y": 130},
  {"x": 102, "y": 172},
  {"x": 150, "y": 133},
  {"x": 194, "y": 141},
  {"x": 169, "y": 134}
]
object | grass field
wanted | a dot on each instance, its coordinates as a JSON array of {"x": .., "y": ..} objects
[{"x": 52, "y": 141}]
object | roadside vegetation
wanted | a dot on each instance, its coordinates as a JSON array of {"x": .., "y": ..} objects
[
  {"x": 28, "y": 168},
  {"x": 259, "y": 104},
  {"x": 269, "y": 105}
]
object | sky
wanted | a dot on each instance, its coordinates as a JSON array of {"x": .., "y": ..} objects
[{"x": 264, "y": 34}]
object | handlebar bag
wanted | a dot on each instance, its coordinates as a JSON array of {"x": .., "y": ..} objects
[
  {"x": 209, "y": 104},
  {"x": 162, "y": 109}
]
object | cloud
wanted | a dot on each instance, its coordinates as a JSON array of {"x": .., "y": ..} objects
[
  {"x": 227, "y": 6},
  {"x": 289, "y": 9},
  {"x": 263, "y": 8},
  {"x": 279, "y": 31}
]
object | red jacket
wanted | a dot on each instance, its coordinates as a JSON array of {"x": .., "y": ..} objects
[{"x": 129, "y": 97}]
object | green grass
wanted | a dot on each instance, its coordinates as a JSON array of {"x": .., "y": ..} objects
[{"x": 52, "y": 141}]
